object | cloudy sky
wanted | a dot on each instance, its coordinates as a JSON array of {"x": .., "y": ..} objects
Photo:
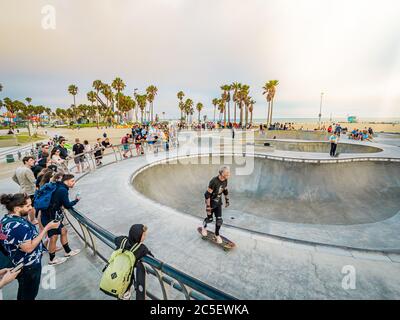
[{"x": 349, "y": 49}]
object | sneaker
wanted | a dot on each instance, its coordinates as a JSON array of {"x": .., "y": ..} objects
[
  {"x": 218, "y": 239},
  {"x": 204, "y": 232},
  {"x": 57, "y": 261},
  {"x": 72, "y": 253}
]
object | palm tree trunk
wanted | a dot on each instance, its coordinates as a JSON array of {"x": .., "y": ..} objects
[
  {"x": 234, "y": 116},
  {"x": 215, "y": 109},
  {"x": 229, "y": 112},
  {"x": 199, "y": 116},
  {"x": 272, "y": 106},
  {"x": 251, "y": 117},
  {"x": 241, "y": 113},
  {"x": 74, "y": 101},
  {"x": 225, "y": 114},
  {"x": 246, "y": 115},
  {"x": 268, "y": 112}
]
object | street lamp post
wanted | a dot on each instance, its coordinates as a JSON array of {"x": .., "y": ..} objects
[{"x": 320, "y": 111}]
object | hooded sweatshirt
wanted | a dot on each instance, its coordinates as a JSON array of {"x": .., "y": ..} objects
[{"x": 135, "y": 234}]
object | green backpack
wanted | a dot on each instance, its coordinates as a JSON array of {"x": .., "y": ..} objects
[{"x": 119, "y": 270}]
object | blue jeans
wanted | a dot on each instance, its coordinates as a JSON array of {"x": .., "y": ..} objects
[{"x": 29, "y": 282}]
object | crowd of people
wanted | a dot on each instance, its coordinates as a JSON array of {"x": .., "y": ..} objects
[
  {"x": 362, "y": 135},
  {"x": 33, "y": 223}
]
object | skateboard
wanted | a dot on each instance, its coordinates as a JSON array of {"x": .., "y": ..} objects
[
  {"x": 226, "y": 243},
  {"x": 337, "y": 154}
]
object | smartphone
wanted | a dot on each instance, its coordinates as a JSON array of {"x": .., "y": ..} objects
[{"x": 17, "y": 268}]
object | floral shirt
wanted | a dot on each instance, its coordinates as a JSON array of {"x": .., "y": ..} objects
[{"x": 17, "y": 230}]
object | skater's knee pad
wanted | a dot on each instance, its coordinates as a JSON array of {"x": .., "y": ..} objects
[{"x": 219, "y": 221}]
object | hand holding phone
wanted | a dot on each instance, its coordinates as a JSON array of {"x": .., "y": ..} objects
[
  {"x": 53, "y": 225},
  {"x": 17, "y": 268}
]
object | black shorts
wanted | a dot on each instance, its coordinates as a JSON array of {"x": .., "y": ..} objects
[{"x": 53, "y": 232}]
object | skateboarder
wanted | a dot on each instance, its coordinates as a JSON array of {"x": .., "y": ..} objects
[{"x": 217, "y": 186}]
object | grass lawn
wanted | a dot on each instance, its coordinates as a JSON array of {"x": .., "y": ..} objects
[{"x": 23, "y": 138}]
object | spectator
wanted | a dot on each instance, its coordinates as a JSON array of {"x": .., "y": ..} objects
[
  {"x": 79, "y": 158},
  {"x": 87, "y": 146},
  {"x": 137, "y": 234},
  {"x": 106, "y": 143},
  {"x": 59, "y": 201},
  {"x": 98, "y": 152},
  {"x": 338, "y": 129},
  {"x": 44, "y": 151},
  {"x": 41, "y": 175},
  {"x": 125, "y": 145},
  {"x": 334, "y": 139},
  {"x": 23, "y": 243},
  {"x": 57, "y": 161},
  {"x": 25, "y": 178},
  {"x": 63, "y": 149}
]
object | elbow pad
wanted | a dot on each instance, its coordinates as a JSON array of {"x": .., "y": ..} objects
[
  {"x": 207, "y": 195},
  {"x": 226, "y": 192}
]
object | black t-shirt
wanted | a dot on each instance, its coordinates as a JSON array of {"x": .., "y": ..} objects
[
  {"x": 63, "y": 152},
  {"x": 105, "y": 144},
  {"x": 218, "y": 187},
  {"x": 78, "y": 148}
]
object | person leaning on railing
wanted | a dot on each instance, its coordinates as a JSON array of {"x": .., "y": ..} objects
[{"x": 137, "y": 234}]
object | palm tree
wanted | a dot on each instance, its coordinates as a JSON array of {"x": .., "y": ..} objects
[
  {"x": 221, "y": 108},
  {"x": 141, "y": 101},
  {"x": 227, "y": 98},
  {"x": 119, "y": 86},
  {"x": 236, "y": 88},
  {"x": 73, "y": 90},
  {"x": 127, "y": 104},
  {"x": 180, "y": 96},
  {"x": 241, "y": 96},
  {"x": 270, "y": 89},
  {"x": 151, "y": 94},
  {"x": 199, "y": 107},
  {"x": 188, "y": 107},
  {"x": 215, "y": 103},
  {"x": 97, "y": 85},
  {"x": 91, "y": 96},
  {"x": 49, "y": 113},
  {"x": 108, "y": 94}
]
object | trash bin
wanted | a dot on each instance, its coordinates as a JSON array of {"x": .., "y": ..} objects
[{"x": 10, "y": 158}]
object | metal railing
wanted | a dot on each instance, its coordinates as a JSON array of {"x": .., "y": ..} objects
[
  {"x": 189, "y": 286},
  {"x": 166, "y": 275}
]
